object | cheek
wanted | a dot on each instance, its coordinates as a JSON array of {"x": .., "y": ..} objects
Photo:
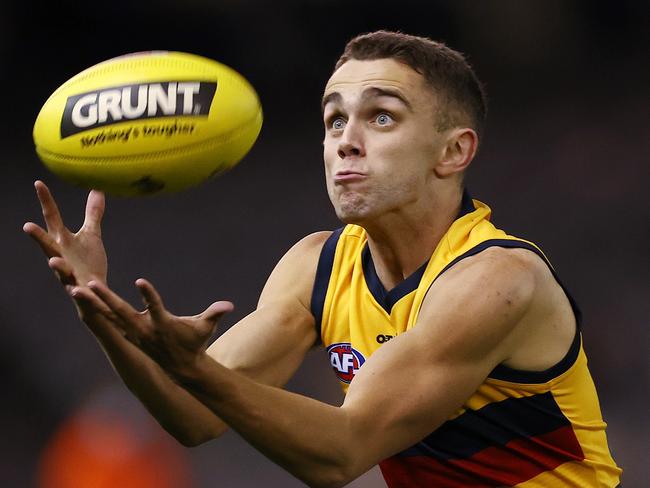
[
  {"x": 329, "y": 156},
  {"x": 328, "y": 164},
  {"x": 411, "y": 153},
  {"x": 405, "y": 166}
]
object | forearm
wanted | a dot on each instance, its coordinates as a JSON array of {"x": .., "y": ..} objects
[
  {"x": 310, "y": 439},
  {"x": 177, "y": 411}
]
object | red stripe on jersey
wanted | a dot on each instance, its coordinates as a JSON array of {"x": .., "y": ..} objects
[{"x": 516, "y": 462}]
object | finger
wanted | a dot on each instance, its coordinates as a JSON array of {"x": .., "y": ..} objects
[
  {"x": 120, "y": 307},
  {"x": 42, "y": 238},
  {"x": 63, "y": 270},
  {"x": 151, "y": 298},
  {"x": 89, "y": 303},
  {"x": 50, "y": 210},
  {"x": 94, "y": 212},
  {"x": 215, "y": 311},
  {"x": 94, "y": 312}
]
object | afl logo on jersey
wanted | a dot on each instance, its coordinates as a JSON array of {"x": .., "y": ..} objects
[{"x": 345, "y": 360}]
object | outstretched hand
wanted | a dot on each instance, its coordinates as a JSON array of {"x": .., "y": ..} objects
[
  {"x": 79, "y": 261},
  {"x": 76, "y": 258},
  {"x": 174, "y": 342}
]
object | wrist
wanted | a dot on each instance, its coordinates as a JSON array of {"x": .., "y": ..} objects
[{"x": 193, "y": 373}]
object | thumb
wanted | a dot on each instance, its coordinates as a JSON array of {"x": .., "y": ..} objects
[
  {"x": 94, "y": 212},
  {"x": 216, "y": 310},
  {"x": 151, "y": 298}
]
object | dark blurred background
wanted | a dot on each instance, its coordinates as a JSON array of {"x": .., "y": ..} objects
[{"x": 564, "y": 163}]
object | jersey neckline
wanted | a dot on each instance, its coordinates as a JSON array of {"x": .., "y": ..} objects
[{"x": 387, "y": 298}]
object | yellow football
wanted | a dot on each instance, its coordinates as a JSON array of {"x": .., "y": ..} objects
[{"x": 154, "y": 122}]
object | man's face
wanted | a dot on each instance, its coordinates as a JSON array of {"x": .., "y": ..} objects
[{"x": 381, "y": 142}]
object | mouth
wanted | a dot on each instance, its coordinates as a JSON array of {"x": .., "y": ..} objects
[{"x": 347, "y": 176}]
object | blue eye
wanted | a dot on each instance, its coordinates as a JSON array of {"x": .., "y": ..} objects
[
  {"x": 338, "y": 124},
  {"x": 383, "y": 119}
]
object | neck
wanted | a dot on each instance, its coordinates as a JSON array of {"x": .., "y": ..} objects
[{"x": 400, "y": 242}]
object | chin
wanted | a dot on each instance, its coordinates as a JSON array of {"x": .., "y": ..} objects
[
  {"x": 353, "y": 214},
  {"x": 354, "y": 208}
]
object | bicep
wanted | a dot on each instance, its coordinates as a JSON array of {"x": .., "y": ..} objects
[
  {"x": 401, "y": 394},
  {"x": 270, "y": 343},
  {"x": 415, "y": 382}
]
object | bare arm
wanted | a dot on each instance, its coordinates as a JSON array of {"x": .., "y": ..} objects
[
  {"x": 468, "y": 325},
  {"x": 271, "y": 343},
  {"x": 282, "y": 320}
]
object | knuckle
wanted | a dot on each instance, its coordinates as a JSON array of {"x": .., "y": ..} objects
[
  {"x": 110, "y": 315},
  {"x": 133, "y": 334},
  {"x": 134, "y": 317},
  {"x": 151, "y": 333}
]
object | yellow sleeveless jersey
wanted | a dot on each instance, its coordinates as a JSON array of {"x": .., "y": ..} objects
[{"x": 520, "y": 428}]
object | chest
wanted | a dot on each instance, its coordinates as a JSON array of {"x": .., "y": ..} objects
[{"x": 361, "y": 319}]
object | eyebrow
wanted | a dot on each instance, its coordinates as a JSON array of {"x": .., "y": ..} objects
[{"x": 371, "y": 92}]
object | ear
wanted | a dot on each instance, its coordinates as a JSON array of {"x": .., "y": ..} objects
[{"x": 458, "y": 152}]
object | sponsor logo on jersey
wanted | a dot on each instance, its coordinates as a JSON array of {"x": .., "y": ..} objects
[
  {"x": 86, "y": 111},
  {"x": 345, "y": 360},
  {"x": 381, "y": 338}
]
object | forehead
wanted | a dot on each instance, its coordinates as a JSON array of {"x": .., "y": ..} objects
[{"x": 354, "y": 76}]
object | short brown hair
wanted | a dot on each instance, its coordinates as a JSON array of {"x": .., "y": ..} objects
[{"x": 457, "y": 88}]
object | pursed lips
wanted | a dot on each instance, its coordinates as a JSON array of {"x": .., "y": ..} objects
[{"x": 346, "y": 176}]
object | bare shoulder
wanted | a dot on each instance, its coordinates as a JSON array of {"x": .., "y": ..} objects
[
  {"x": 510, "y": 273},
  {"x": 503, "y": 257},
  {"x": 514, "y": 295},
  {"x": 294, "y": 274},
  {"x": 519, "y": 267},
  {"x": 311, "y": 243},
  {"x": 269, "y": 344}
]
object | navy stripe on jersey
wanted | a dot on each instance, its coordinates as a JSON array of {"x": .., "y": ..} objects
[
  {"x": 494, "y": 467},
  {"x": 496, "y": 424},
  {"x": 505, "y": 373},
  {"x": 389, "y": 298},
  {"x": 322, "y": 280},
  {"x": 502, "y": 444}
]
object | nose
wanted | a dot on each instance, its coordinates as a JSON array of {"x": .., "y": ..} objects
[{"x": 351, "y": 142}]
